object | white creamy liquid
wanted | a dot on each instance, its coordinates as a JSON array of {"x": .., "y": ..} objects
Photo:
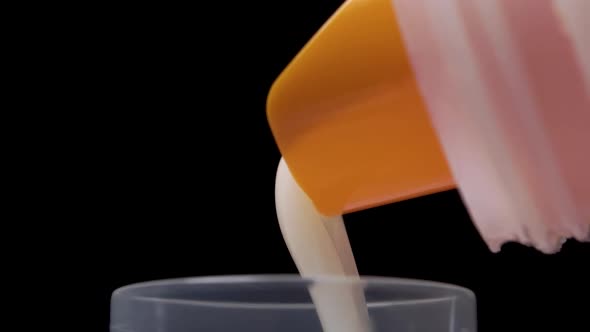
[{"x": 319, "y": 246}]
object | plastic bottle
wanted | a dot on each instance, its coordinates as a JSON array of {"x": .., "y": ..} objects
[{"x": 394, "y": 99}]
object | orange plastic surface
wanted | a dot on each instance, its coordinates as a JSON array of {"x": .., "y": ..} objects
[{"x": 348, "y": 117}]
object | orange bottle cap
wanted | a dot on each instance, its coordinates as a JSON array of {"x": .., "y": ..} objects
[{"x": 349, "y": 119}]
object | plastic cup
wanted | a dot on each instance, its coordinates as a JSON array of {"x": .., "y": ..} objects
[{"x": 283, "y": 303}]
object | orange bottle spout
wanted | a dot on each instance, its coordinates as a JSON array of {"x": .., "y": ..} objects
[{"x": 349, "y": 119}]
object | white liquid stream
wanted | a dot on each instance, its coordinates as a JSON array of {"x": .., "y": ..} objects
[{"x": 319, "y": 246}]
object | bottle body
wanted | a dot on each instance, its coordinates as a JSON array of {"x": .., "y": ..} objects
[{"x": 507, "y": 88}]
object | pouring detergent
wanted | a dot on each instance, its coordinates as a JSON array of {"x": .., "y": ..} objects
[{"x": 392, "y": 100}]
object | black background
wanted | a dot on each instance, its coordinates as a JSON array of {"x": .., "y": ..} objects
[{"x": 176, "y": 175}]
